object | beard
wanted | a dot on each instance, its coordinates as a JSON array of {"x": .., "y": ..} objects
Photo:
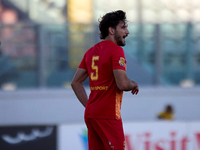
[{"x": 118, "y": 39}]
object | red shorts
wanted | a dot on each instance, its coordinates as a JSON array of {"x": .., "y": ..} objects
[{"x": 105, "y": 134}]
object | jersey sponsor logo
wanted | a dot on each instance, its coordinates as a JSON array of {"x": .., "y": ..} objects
[
  {"x": 99, "y": 87},
  {"x": 122, "y": 62}
]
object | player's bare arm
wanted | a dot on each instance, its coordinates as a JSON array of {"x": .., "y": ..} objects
[
  {"x": 124, "y": 83},
  {"x": 77, "y": 85}
]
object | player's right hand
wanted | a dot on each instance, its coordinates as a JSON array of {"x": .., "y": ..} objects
[{"x": 135, "y": 90}]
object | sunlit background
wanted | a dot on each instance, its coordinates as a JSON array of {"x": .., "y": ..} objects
[{"x": 43, "y": 42}]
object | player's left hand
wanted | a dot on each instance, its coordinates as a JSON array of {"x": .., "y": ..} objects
[{"x": 135, "y": 90}]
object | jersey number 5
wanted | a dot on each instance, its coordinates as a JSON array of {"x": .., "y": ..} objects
[{"x": 95, "y": 68}]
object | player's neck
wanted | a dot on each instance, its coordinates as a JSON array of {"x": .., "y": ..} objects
[{"x": 110, "y": 38}]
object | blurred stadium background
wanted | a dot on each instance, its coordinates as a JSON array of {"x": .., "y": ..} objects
[{"x": 43, "y": 42}]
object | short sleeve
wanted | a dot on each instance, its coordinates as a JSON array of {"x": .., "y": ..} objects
[
  {"x": 83, "y": 64},
  {"x": 118, "y": 59}
]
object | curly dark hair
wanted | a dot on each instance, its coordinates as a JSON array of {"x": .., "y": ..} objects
[{"x": 111, "y": 19}]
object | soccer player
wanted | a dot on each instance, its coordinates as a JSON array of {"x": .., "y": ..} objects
[{"x": 105, "y": 65}]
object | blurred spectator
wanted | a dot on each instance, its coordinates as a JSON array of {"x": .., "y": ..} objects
[{"x": 167, "y": 114}]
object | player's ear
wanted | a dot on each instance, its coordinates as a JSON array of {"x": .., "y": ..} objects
[{"x": 111, "y": 30}]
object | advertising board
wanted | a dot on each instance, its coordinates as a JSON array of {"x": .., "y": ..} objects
[{"x": 139, "y": 136}]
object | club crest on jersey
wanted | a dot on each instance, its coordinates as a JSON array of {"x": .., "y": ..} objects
[{"x": 122, "y": 62}]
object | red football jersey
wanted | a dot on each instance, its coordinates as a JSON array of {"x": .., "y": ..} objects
[{"x": 105, "y": 97}]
